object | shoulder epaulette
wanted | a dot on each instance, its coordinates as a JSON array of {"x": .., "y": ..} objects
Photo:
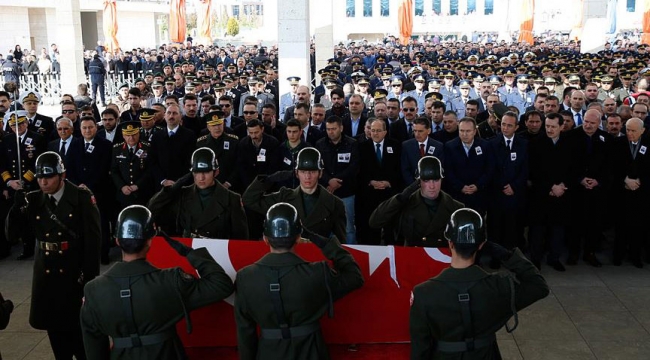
[
  {"x": 202, "y": 138},
  {"x": 118, "y": 144},
  {"x": 233, "y": 136},
  {"x": 145, "y": 143}
]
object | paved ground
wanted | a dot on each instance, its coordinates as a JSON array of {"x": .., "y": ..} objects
[{"x": 590, "y": 314}]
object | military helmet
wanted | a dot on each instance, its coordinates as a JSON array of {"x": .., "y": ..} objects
[
  {"x": 204, "y": 160},
  {"x": 309, "y": 159},
  {"x": 282, "y": 221},
  {"x": 429, "y": 168},
  {"x": 49, "y": 164},
  {"x": 135, "y": 223},
  {"x": 465, "y": 227}
]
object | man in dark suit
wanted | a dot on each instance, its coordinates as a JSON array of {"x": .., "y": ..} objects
[
  {"x": 631, "y": 178},
  {"x": 69, "y": 147},
  {"x": 302, "y": 97},
  {"x": 310, "y": 134},
  {"x": 379, "y": 179},
  {"x": 414, "y": 149},
  {"x": 507, "y": 191},
  {"x": 593, "y": 150},
  {"x": 171, "y": 149},
  {"x": 230, "y": 121},
  {"x": 449, "y": 127},
  {"x": 552, "y": 178},
  {"x": 110, "y": 130},
  {"x": 402, "y": 129},
  {"x": 468, "y": 167},
  {"x": 577, "y": 107},
  {"x": 93, "y": 174},
  {"x": 354, "y": 122}
]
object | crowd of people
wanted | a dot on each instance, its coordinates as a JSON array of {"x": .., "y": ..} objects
[{"x": 532, "y": 137}]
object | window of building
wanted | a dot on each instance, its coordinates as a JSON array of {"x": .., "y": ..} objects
[
  {"x": 367, "y": 8},
  {"x": 489, "y": 7},
  {"x": 384, "y": 7},
  {"x": 453, "y": 7},
  {"x": 631, "y": 5},
  {"x": 349, "y": 8},
  {"x": 235, "y": 11},
  {"x": 260, "y": 9},
  {"x": 419, "y": 7},
  {"x": 471, "y": 6},
  {"x": 437, "y": 6}
]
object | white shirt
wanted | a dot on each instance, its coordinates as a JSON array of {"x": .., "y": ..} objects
[
  {"x": 512, "y": 140},
  {"x": 110, "y": 135}
]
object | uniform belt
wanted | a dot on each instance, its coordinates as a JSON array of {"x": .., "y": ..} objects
[
  {"x": 145, "y": 340},
  {"x": 296, "y": 331},
  {"x": 50, "y": 246},
  {"x": 461, "y": 346}
]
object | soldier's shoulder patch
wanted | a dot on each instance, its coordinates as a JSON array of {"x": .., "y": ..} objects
[
  {"x": 147, "y": 144},
  {"x": 202, "y": 138},
  {"x": 118, "y": 145},
  {"x": 185, "y": 276},
  {"x": 233, "y": 136}
]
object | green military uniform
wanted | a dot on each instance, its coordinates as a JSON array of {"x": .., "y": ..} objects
[
  {"x": 225, "y": 149},
  {"x": 326, "y": 217},
  {"x": 620, "y": 94},
  {"x": 131, "y": 169},
  {"x": 67, "y": 256},
  {"x": 419, "y": 224},
  {"x": 602, "y": 94},
  {"x": 159, "y": 299},
  {"x": 436, "y": 313},
  {"x": 215, "y": 212},
  {"x": 305, "y": 298}
]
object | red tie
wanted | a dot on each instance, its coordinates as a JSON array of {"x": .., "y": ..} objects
[{"x": 421, "y": 150}]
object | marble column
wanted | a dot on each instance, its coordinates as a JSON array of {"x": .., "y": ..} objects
[
  {"x": 293, "y": 42},
  {"x": 324, "y": 33},
  {"x": 70, "y": 45}
]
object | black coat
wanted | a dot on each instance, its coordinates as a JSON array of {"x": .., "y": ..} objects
[
  {"x": 474, "y": 168},
  {"x": 510, "y": 168},
  {"x": 399, "y": 131},
  {"x": 257, "y": 161},
  {"x": 171, "y": 157},
  {"x": 72, "y": 158}
]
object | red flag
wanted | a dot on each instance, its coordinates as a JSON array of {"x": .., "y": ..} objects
[
  {"x": 526, "y": 27},
  {"x": 177, "y": 24},
  {"x": 405, "y": 21}
]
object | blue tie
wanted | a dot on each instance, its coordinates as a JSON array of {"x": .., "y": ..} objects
[
  {"x": 578, "y": 119},
  {"x": 378, "y": 151}
]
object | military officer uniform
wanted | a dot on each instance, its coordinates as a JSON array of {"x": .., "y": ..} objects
[
  {"x": 67, "y": 228},
  {"x": 286, "y": 296},
  {"x": 225, "y": 148},
  {"x": 321, "y": 211},
  {"x": 135, "y": 302},
  {"x": 41, "y": 124},
  {"x": 420, "y": 221},
  {"x": 31, "y": 146},
  {"x": 131, "y": 169}
]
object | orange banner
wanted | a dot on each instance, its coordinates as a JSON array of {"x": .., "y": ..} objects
[
  {"x": 405, "y": 21},
  {"x": 576, "y": 32},
  {"x": 110, "y": 26},
  {"x": 204, "y": 13},
  {"x": 645, "y": 38},
  {"x": 177, "y": 23},
  {"x": 526, "y": 27}
]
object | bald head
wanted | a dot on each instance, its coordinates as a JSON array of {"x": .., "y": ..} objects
[
  {"x": 591, "y": 121},
  {"x": 303, "y": 94},
  {"x": 634, "y": 129}
]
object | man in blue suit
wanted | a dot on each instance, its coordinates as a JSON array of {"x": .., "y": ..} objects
[
  {"x": 507, "y": 192},
  {"x": 468, "y": 166},
  {"x": 414, "y": 149}
]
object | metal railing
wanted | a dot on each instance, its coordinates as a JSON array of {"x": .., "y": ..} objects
[{"x": 49, "y": 85}]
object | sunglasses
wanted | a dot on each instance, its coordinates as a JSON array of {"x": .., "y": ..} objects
[
  {"x": 409, "y": 109},
  {"x": 67, "y": 111},
  {"x": 250, "y": 112}
]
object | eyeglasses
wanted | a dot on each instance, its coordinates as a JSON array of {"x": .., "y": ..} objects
[
  {"x": 250, "y": 112},
  {"x": 63, "y": 129},
  {"x": 409, "y": 109},
  {"x": 67, "y": 111}
]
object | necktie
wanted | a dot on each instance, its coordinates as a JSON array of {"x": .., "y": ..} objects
[
  {"x": 523, "y": 96},
  {"x": 130, "y": 152},
  {"x": 378, "y": 152},
  {"x": 508, "y": 142},
  {"x": 87, "y": 145},
  {"x": 410, "y": 128},
  {"x": 171, "y": 133},
  {"x": 578, "y": 119},
  {"x": 421, "y": 150},
  {"x": 52, "y": 203},
  {"x": 62, "y": 149},
  {"x": 438, "y": 128}
]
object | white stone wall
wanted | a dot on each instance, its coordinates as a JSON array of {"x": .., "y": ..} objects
[
  {"x": 15, "y": 28},
  {"x": 136, "y": 29}
]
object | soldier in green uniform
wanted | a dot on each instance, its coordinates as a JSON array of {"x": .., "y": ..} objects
[
  {"x": 65, "y": 221},
  {"x": 224, "y": 146},
  {"x": 138, "y": 305},
  {"x": 205, "y": 209},
  {"x": 318, "y": 209},
  {"x": 456, "y": 314},
  {"x": 421, "y": 215},
  {"x": 286, "y": 296},
  {"x": 130, "y": 169}
]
